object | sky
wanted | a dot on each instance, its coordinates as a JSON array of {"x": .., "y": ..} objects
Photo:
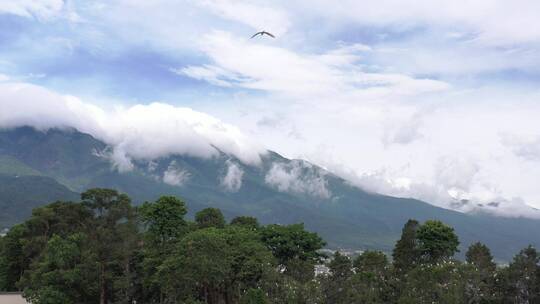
[{"x": 435, "y": 100}]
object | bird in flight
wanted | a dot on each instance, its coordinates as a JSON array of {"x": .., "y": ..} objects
[{"x": 262, "y": 33}]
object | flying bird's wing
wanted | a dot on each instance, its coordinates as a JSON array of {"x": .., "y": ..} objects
[
  {"x": 267, "y": 33},
  {"x": 258, "y": 33}
]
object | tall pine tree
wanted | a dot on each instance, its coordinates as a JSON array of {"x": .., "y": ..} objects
[{"x": 406, "y": 253}]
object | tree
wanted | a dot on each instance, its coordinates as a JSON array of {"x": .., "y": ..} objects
[
  {"x": 370, "y": 281},
  {"x": 246, "y": 221},
  {"x": 480, "y": 274},
  {"x": 215, "y": 265},
  {"x": 210, "y": 217},
  {"x": 437, "y": 241},
  {"x": 336, "y": 286},
  {"x": 434, "y": 283},
  {"x": 114, "y": 238},
  {"x": 12, "y": 263},
  {"x": 292, "y": 241},
  {"x": 164, "y": 219},
  {"x": 62, "y": 274},
  {"x": 480, "y": 256},
  {"x": 523, "y": 277},
  {"x": 406, "y": 252},
  {"x": 374, "y": 262},
  {"x": 295, "y": 248},
  {"x": 165, "y": 223},
  {"x": 25, "y": 242},
  {"x": 254, "y": 296}
]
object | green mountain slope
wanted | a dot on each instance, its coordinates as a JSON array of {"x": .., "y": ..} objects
[
  {"x": 347, "y": 218},
  {"x": 20, "y": 194}
]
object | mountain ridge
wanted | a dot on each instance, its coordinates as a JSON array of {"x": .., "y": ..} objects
[{"x": 278, "y": 190}]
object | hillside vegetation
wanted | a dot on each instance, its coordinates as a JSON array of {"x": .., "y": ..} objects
[{"x": 103, "y": 249}]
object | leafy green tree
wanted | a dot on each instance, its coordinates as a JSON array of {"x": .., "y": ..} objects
[
  {"x": 295, "y": 248},
  {"x": 114, "y": 238},
  {"x": 215, "y": 265},
  {"x": 523, "y": 277},
  {"x": 480, "y": 256},
  {"x": 480, "y": 275},
  {"x": 165, "y": 223},
  {"x": 246, "y": 221},
  {"x": 437, "y": 241},
  {"x": 210, "y": 217},
  {"x": 337, "y": 286},
  {"x": 406, "y": 252},
  {"x": 12, "y": 264},
  {"x": 375, "y": 262},
  {"x": 25, "y": 242},
  {"x": 370, "y": 281},
  {"x": 62, "y": 274},
  {"x": 164, "y": 219},
  {"x": 254, "y": 296},
  {"x": 441, "y": 282}
]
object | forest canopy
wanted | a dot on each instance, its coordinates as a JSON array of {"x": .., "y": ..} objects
[{"x": 104, "y": 250}]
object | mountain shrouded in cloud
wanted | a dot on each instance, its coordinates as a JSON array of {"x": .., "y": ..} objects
[
  {"x": 433, "y": 100},
  {"x": 155, "y": 131},
  {"x": 140, "y": 132}
]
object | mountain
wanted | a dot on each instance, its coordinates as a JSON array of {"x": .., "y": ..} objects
[{"x": 40, "y": 167}]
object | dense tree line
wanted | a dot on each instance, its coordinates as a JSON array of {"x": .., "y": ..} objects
[{"x": 105, "y": 250}]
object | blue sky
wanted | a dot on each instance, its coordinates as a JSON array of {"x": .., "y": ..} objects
[{"x": 436, "y": 100}]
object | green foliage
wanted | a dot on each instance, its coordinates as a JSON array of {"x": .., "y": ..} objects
[
  {"x": 370, "y": 261},
  {"x": 406, "y": 252},
  {"x": 114, "y": 239},
  {"x": 523, "y": 277},
  {"x": 254, "y": 296},
  {"x": 12, "y": 263},
  {"x": 480, "y": 256},
  {"x": 246, "y": 221},
  {"x": 164, "y": 218},
  {"x": 337, "y": 286},
  {"x": 104, "y": 250},
  {"x": 165, "y": 223},
  {"x": 295, "y": 249},
  {"x": 217, "y": 264},
  {"x": 210, "y": 217},
  {"x": 437, "y": 241},
  {"x": 292, "y": 242},
  {"x": 434, "y": 283},
  {"x": 62, "y": 274}
]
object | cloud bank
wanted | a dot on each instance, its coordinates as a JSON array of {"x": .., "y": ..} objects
[
  {"x": 143, "y": 132},
  {"x": 232, "y": 180},
  {"x": 175, "y": 176},
  {"x": 434, "y": 100},
  {"x": 298, "y": 177}
]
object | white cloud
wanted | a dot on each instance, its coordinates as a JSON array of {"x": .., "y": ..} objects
[
  {"x": 39, "y": 9},
  {"x": 232, "y": 180},
  {"x": 259, "y": 15},
  {"x": 241, "y": 63},
  {"x": 494, "y": 21},
  {"x": 410, "y": 97},
  {"x": 526, "y": 148},
  {"x": 118, "y": 159},
  {"x": 139, "y": 132},
  {"x": 298, "y": 177},
  {"x": 175, "y": 176}
]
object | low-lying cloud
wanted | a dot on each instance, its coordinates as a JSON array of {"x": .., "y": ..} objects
[
  {"x": 232, "y": 180},
  {"x": 175, "y": 176},
  {"x": 298, "y": 177},
  {"x": 142, "y": 132}
]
